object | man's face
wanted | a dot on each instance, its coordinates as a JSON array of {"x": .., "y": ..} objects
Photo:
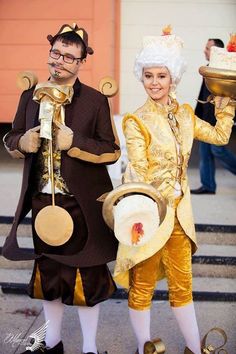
[
  {"x": 207, "y": 49},
  {"x": 64, "y": 62}
]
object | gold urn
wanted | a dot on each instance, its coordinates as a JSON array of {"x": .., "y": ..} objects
[{"x": 220, "y": 82}]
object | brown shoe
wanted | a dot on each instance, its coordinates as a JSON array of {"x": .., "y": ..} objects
[
  {"x": 188, "y": 351},
  {"x": 58, "y": 349}
]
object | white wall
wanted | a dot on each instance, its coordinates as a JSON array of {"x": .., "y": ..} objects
[{"x": 193, "y": 21}]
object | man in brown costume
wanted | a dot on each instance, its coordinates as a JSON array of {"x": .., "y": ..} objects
[{"x": 83, "y": 142}]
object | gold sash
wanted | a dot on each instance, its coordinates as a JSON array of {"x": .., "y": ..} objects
[{"x": 52, "y": 99}]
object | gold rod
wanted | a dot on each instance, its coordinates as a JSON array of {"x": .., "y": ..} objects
[{"x": 52, "y": 172}]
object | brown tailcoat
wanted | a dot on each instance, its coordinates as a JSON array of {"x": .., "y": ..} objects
[{"x": 83, "y": 168}]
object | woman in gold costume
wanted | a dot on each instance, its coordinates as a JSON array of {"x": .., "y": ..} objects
[{"x": 159, "y": 138}]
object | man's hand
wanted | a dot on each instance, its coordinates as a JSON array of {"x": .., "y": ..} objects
[
  {"x": 30, "y": 141},
  {"x": 64, "y": 137}
]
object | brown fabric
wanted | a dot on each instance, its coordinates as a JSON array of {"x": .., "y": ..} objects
[
  {"x": 59, "y": 280},
  {"x": 52, "y": 279},
  {"x": 89, "y": 117}
]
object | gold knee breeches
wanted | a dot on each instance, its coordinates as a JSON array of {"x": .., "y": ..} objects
[{"x": 176, "y": 259}]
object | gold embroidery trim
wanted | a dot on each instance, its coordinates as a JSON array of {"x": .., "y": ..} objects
[
  {"x": 87, "y": 156},
  {"x": 141, "y": 126},
  {"x": 117, "y": 141},
  {"x": 79, "y": 298}
]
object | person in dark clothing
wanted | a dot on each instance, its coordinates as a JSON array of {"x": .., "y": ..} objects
[
  {"x": 209, "y": 152},
  {"x": 77, "y": 119}
]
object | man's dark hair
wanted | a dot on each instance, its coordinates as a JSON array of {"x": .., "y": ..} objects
[
  {"x": 71, "y": 38},
  {"x": 218, "y": 42}
]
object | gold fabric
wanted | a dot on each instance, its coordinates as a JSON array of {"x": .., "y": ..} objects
[
  {"x": 52, "y": 99},
  {"x": 174, "y": 260},
  {"x": 75, "y": 29},
  {"x": 42, "y": 172},
  {"x": 38, "y": 291},
  {"x": 79, "y": 298},
  {"x": 153, "y": 158}
]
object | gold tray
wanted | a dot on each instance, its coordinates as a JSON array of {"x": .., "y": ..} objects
[{"x": 220, "y": 82}]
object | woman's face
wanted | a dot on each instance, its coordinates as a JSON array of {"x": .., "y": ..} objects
[{"x": 157, "y": 81}]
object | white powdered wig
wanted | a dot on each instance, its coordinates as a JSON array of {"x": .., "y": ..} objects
[{"x": 161, "y": 51}]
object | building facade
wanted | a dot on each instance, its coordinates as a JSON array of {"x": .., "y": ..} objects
[{"x": 115, "y": 28}]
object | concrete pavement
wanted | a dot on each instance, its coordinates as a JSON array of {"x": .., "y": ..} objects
[{"x": 20, "y": 316}]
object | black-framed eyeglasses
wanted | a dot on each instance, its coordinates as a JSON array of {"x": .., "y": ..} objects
[{"x": 67, "y": 58}]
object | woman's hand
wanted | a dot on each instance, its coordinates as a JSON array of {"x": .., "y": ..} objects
[{"x": 221, "y": 102}]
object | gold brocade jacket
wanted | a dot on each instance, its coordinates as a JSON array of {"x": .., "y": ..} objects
[{"x": 154, "y": 158}]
